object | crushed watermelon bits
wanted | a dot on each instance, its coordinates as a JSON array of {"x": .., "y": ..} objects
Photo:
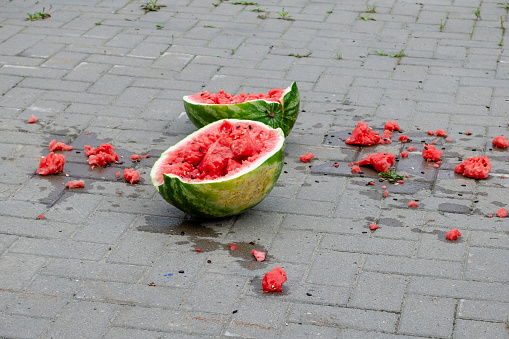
[
  {"x": 386, "y": 137},
  {"x": 453, "y": 234},
  {"x": 59, "y": 146},
  {"x": 233, "y": 247},
  {"x": 391, "y": 126},
  {"x": 136, "y": 157},
  {"x": 131, "y": 176},
  {"x": 363, "y": 135},
  {"x": 51, "y": 164},
  {"x": 381, "y": 162},
  {"x": 440, "y": 133},
  {"x": 403, "y": 138},
  {"x": 355, "y": 169},
  {"x": 75, "y": 184},
  {"x": 273, "y": 281},
  {"x": 430, "y": 153},
  {"x": 411, "y": 149},
  {"x": 259, "y": 255},
  {"x": 404, "y": 154},
  {"x": 502, "y": 213},
  {"x": 500, "y": 141},
  {"x": 413, "y": 204},
  {"x": 476, "y": 167},
  {"x": 373, "y": 227},
  {"x": 306, "y": 157},
  {"x": 40, "y": 217},
  {"x": 102, "y": 155},
  {"x": 32, "y": 119}
]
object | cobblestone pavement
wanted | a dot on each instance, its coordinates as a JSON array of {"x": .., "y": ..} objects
[{"x": 107, "y": 71}]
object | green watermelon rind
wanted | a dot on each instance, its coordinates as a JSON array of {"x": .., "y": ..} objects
[
  {"x": 226, "y": 196},
  {"x": 273, "y": 114}
]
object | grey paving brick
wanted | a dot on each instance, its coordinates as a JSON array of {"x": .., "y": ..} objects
[
  {"x": 378, "y": 292},
  {"x": 18, "y": 43},
  {"x": 71, "y": 322},
  {"x": 479, "y": 329},
  {"x": 73, "y": 207},
  {"x": 411, "y": 266},
  {"x": 138, "y": 248},
  {"x": 104, "y": 227},
  {"x": 364, "y": 244},
  {"x": 59, "y": 248},
  {"x": 428, "y": 316},
  {"x": 458, "y": 288},
  {"x": 357, "y": 334},
  {"x": 140, "y": 295},
  {"x": 483, "y": 310},
  {"x": 284, "y": 245},
  {"x": 169, "y": 320},
  {"x": 81, "y": 269},
  {"x": 342, "y": 317},
  {"x": 341, "y": 274},
  {"x": 15, "y": 326},
  {"x": 484, "y": 264},
  {"x": 18, "y": 270},
  {"x": 111, "y": 84},
  {"x": 307, "y": 331}
]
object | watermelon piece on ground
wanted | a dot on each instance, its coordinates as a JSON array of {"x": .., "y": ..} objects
[
  {"x": 411, "y": 149},
  {"x": 59, "y": 146},
  {"x": 306, "y": 157},
  {"x": 259, "y": 255},
  {"x": 363, "y": 135},
  {"x": 102, "y": 155},
  {"x": 413, "y": 204},
  {"x": 502, "y": 213},
  {"x": 386, "y": 137},
  {"x": 373, "y": 227},
  {"x": 381, "y": 162},
  {"x": 476, "y": 167},
  {"x": 75, "y": 184},
  {"x": 32, "y": 119},
  {"x": 430, "y": 153},
  {"x": 403, "y": 138},
  {"x": 51, "y": 164},
  {"x": 131, "y": 176},
  {"x": 500, "y": 141},
  {"x": 404, "y": 154},
  {"x": 273, "y": 281},
  {"x": 136, "y": 157},
  {"x": 453, "y": 234},
  {"x": 391, "y": 126},
  {"x": 440, "y": 133}
]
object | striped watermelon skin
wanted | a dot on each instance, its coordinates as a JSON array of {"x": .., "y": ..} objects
[
  {"x": 273, "y": 114},
  {"x": 225, "y": 196}
]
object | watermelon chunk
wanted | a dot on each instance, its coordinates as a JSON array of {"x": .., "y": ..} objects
[
  {"x": 363, "y": 135},
  {"x": 440, "y": 133},
  {"x": 273, "y": 281},
  {"x": 500, "y": 141},
  {"x": 502, "y": 213},
  {"x": 61, "y": 146},
  {"x": 373, "y": 227},
  {"x": 386, "y": 137},
  {"x": 102, "y": 155},
  {"x": 306, "y": 157},
  {"x": 453, "y": 234},
  {"x": 259, "y": 255},
  {"x": 403, "y": 138},
  {"x": 430, "y": 153},
  {"x": 75, "y": 184},
  {"x": 391, "y": 126},
  {"x": 476, "y": 167},
  {"x": 413, "y": 204},
  {"x": 381, "y": 162},
  {"x": 32, "y": 119},
  {"x": 131, "y": 176},
  {"x": 51, "y": 164}
]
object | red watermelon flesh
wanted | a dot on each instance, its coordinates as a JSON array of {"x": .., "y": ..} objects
[
  {"x": 500, "y": 141},
  {"x": 429, "y": 152},
  {"x": 362, "y": 134},
  {"x": 51, "y": 164},
  {"x": 223, "y": 98},
  {"x": 475, "y": 167},
  {"x": 102, "y": 155},
  {"x": 61, "y": 146},
  {"x": 223, "y": 151},
  {"x": 75, "y": 184},
  {"x": 381, "y": 162}
]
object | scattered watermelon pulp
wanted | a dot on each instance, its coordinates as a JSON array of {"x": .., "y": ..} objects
[
  {"x": 278, "y": 108},
  {"x": 131, "y": 176},
  {"x": 51, "y": 164},
  {"x": 32, "y": 119},
  {"x": 102, "y": 155},
  {"x": 259, "y": 255},
  {"x": 273, "y": 281},
  {"x": 453, "y": 234},
  {"x": 381, "y": 162},
  {"x": 59, "y": 146},
  {"x": 362, "y": 134},
  {"x": 75, "y": 184},
  {"x": 430, "y": 153},
  {"x": 306, "y": 157},
  {"x": 500, "y": 141},
  {"x": 475, "y": 167},
  {"x": 223, "y": 169}
]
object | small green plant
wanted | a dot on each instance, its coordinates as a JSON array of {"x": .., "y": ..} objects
[
  {"x": 208, "y": 26},
  {"x": 501, "y": 42},
  {"x": 371, "y": 8},
  {"x": 399, "y": 54},
  {"x": 339, "y": 56},
  {"x": 380, "y": 52},
  {"x": 98, "y": 24},
  {"x": 258, "y": 10},
  {"x": 391, "y": 176},
  {"x": 478, "y": 13},
  {"x": 245, "y": 3},
  {"x": 283, "y": 15},
  {"x": 442, "y": 25},
  {"x": 505, "y": 5},
  {"x": 329, "y": 12},
  {"x": 152, "y": 6},
  {"x": 447, "y": 16},
  {"x": 160, "y": 26},
  {"x": 38, "y": 15},
  {"x": 502, "y": 23},
  {"x": 260, "y": 16},
  {"x": 300, "y": 55},
  {"x": 366, "y": 17}
]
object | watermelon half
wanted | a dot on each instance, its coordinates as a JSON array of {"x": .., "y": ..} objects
[
  {"x": 222, "y": 169},
  {"x": 278, "y": 108}
]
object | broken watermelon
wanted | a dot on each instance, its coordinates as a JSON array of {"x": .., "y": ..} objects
[
  {"x": 278, "y": 108},
  {"x": 223, "y": 169},
  {"x": 362, "y": 134}
]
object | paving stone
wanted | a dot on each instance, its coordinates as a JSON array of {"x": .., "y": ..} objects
[
  {"x": 341, "y": 274},
  {"x": 378, "y": 292},
  {"x": 307, "y": 331},
  {"x": 483, "y": 264},
  {"x": 427, "y": 316},
  {"x": 479, "y": 329},
  {"x": 22, "y": 327}
]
